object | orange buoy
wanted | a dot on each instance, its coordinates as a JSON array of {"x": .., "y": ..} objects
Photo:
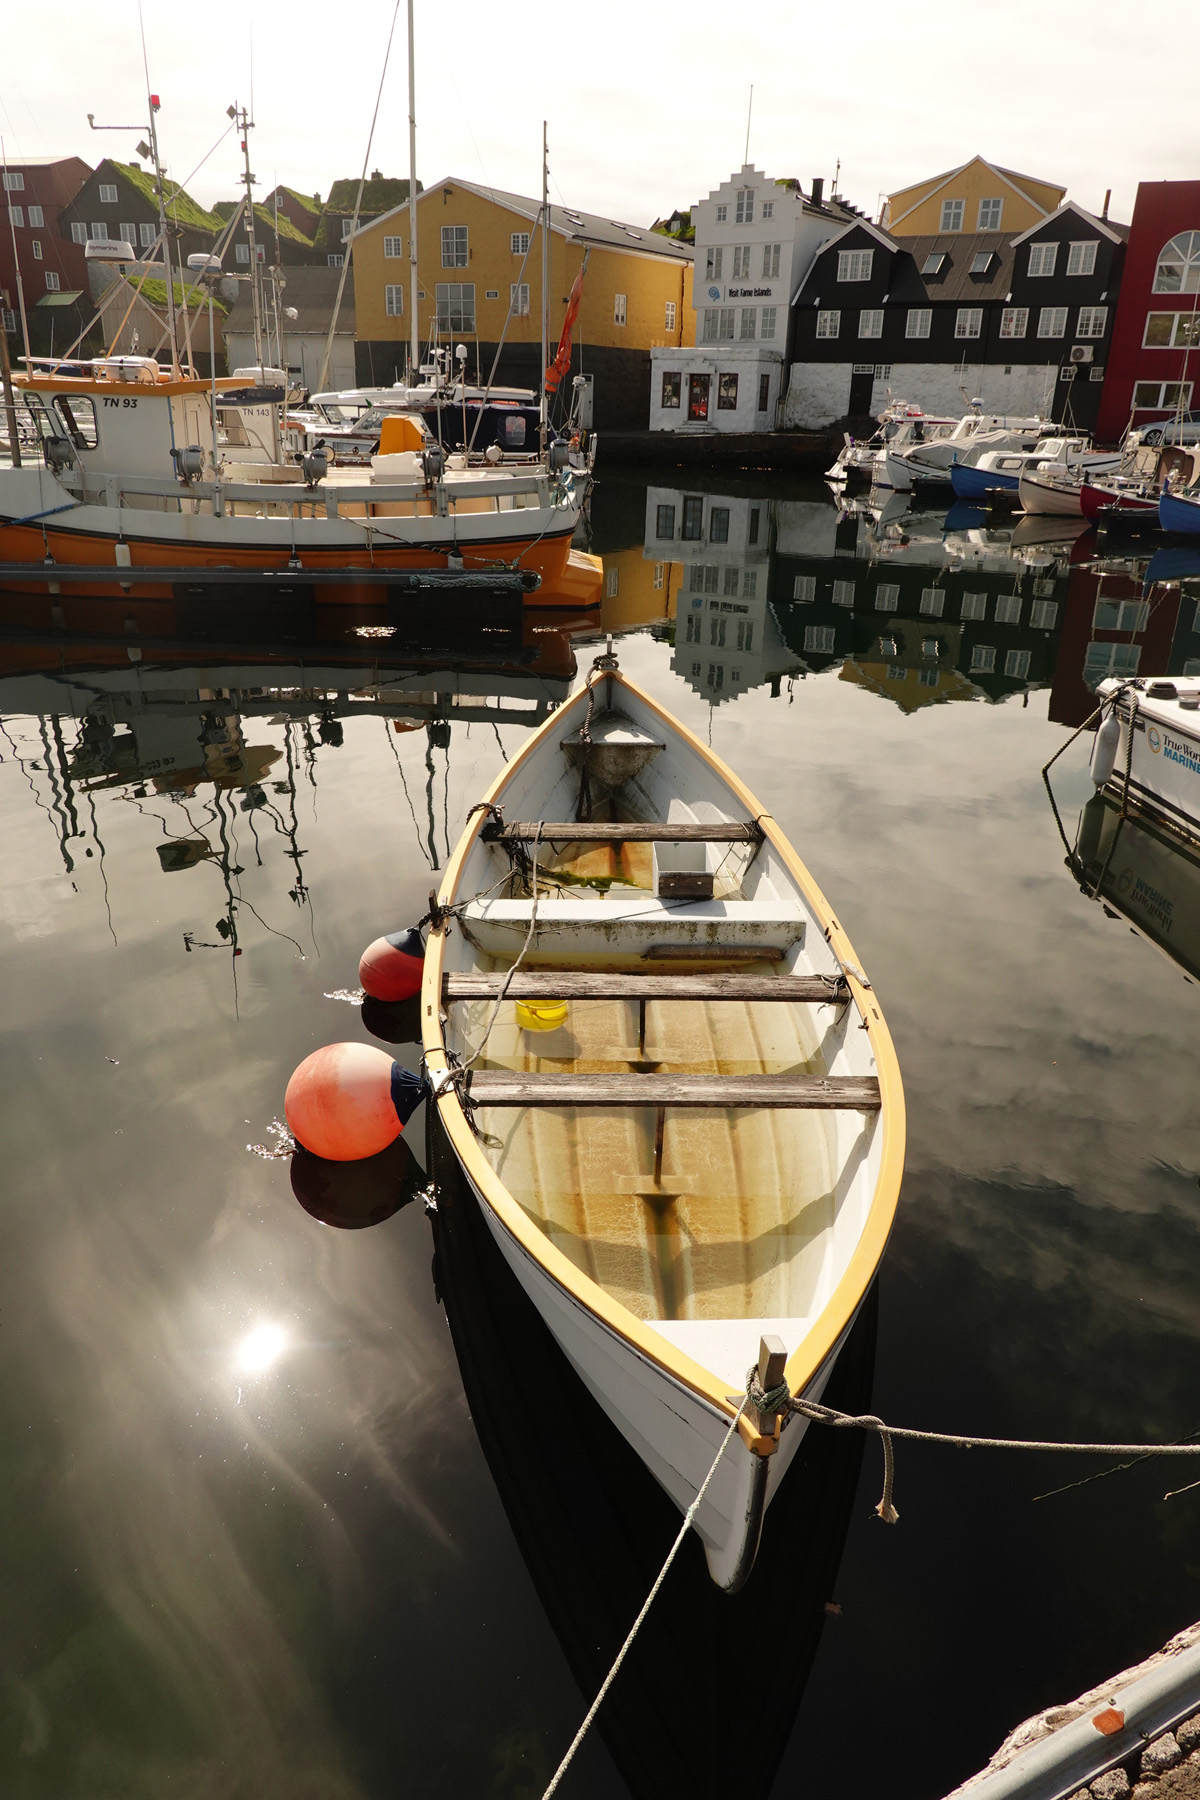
[
  {"x": 391, "y": 967},
  {"x": 348, "y": 1101}
]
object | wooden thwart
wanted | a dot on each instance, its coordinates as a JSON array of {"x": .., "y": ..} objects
[
  {"x": 502, "y": 1087},
  {"x": 623, "y": 985},
  {"x": 591, "y": 831}
]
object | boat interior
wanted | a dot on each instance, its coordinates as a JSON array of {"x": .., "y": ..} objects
[{"x": 714, "y": 1221}]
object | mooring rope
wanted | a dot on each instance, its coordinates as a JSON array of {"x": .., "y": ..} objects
[{"x": 688, "y": 1516}]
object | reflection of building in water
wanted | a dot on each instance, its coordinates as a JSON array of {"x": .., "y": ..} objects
[
  {"x": 177, "y": 749},
  {"x": 727, "y": 639},
  {"x": 640, "y": 589},
  {"x": 1122, "y": 622},
  {"x": 917, "y": 619},
  {"x": 1147, "y": 873}
]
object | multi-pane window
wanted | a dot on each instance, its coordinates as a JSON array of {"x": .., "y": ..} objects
[
  {"x": 981, "y": 262},
  {"x": 1043, "y": 615},
  {"x": 14, "y": 182},
  {"x": 828, "y": 324},
  {"x": 887, "y": 597},
  {"x": 693, "y": 524},
  {"x": 855, "y": 265},
  {"x": 767, "y": 210},
  {"x": 1081, "y": 258},
  {"x": 748, "y": 322},
  {"x": 454, "y": 246},
  {"x": 749, "y": 585},
  {"x": 1016, "y": 664},
  {"x": 1178, "y": 269},
  {"x": 804, "y": 587},
  {"x": 727, "y": 393},
  {"x": 393, "y": 300},
  {"x": 1161, "y": 396},
  {"x": 659, "y": 571},
  {"x": 974, "y": 606},
  {"x": 1093, "y": 322},
  {"x": 1178, "y": 330},
  {"x": 843, "y": 593},
  {"x": 952, "y": 215},
  {"x": 744, "y": 212},
  {"x": 455, "y": 301},
  {"x": 672, "y": 387},
  {"x": 8, "y": 320},
  {"x": 713, "y": 260},
  {"x": 1103, "y": 660},
  {"x": 147, "y": 232},
  {"x": 968, "y": 322},
  {"x": 37, "y": 217},
  {"x": 722, "y": 214},
  {"x": 518, "y": 298},
  {"x": 35, "y": 244},
  {"x": 731, "y": 587},
  {"x": 98, "y": 229},
  {"x": 241, "y": 254},
  {"x": 717, "y": 325},
  {"x": 126, "y": 231},
  {"x": 918, "y": 322},
  {"x": 16, "y": 215},
  {"x": 767, "y": 323},
  {"x": 718, "y": 525},
  {"x": 79, "y": 232},
  {"x": 933, "y": 599},
  {"x": 770, "y": 262},
  {"x": 334, "y": 260},
  {"x": 819, "y": 638},
  {"x": 52, "y": 282},
  {"x": 741, "y": 262},
  {"x": 669, "y": 316},
  {"x": 764, "y": 392},
  {"x": 745, "y": 636},
  {"x": 518, "y": 243},
  {"x": 393, "y": 246},
  {"x": 983, "y": 659},
  {"x": 664, "y": 523},
  {"x": 1120, "y": 615},
  {"x": 990, "y": 214},
  {"x": 347, "y": 230},
  {"x": 1042, "y": 258},
  {"x": 108, "y": 193},
  {"x": 620, "y": 305},
  {"x": 1008, "y": 609},
  {"x": 870, "y": 323},
  {"x": 1052, "y": 321},
  {"x": 1014, "y": 321}
]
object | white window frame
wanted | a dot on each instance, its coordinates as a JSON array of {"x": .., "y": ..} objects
[
  {"x": 393, "y": 248},
  {"x": 843, "y": 593},
  {"x": 1092, "y": 322},
  {"x": 620, "y": 308},
  {"x": 35, "y": 245},
  {"x": 334, "y": 260},
  {"x": 1183, "y": 333},
  {"x": 36, "y": 217},
  {"x": 953, "y": 212},
  {"x": 126, "y": 232},
  {"x": 770, "y": 262},
  {"x": 768, "y": 322},
  {"x": 1014, "y": 321},
  {"x": 455, "y": 312},
  {"x": 147, "y": 233},
  {"x": 97, "y": 228},
  {"x": 919, "y": 322},
  {"x": 16, "y": 216},
  {"x": 241, "y": 254},
  {"x": 393, "y": 299},
  {"x": 722, "y": 213},
  {"x": 741, "y": 262},
  {"x": 855, "y": 265},
  {"x": 518, "y": 243},
  {"x": 968, "y": 322},
  {"x": 870, "y": 322},
  {"x": 748, "y": 324},
  {"x": 767, "y": 210},
  {"x": 983, "y": 659},
  {"x": 669, "y": 316},
  {"x": 829, "y": 323},
  {"x": 713, "y": 260},
  {"x": 79, "y": 232},
  {"x": 820, "y": 640},
  {"x": 1181, "y": 255},
  {"x": 744, "y": 209},
  {"x": 53, "y": 284},
  {"x": 108, "y": 193},
  {"x": 989, "y": 223},
  {"x": 518, "y": 299},
  {"x": 804, "y": 588},
  {"x": 1081, "y": 256},
  {"x": 1042, "y": 259},
  {"x": 14, "y": 182},
  {"x": 1052, "y": 322},
  {"x": 1168, "y": 396},
  {"x": 974, "y": 606},
  {"x": 456, "y": 251}
]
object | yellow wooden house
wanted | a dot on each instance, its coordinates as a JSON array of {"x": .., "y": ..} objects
[
  {"x": 479, "y": 262},
  {"x": 977, "y": 196}
]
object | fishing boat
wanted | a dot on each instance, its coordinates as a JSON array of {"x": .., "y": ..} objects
[
  {"x": 1159, "y": 770},
  {"x": 928, "y": 464},
  {"x": 996, "y": 475},
  {"x": 670, "y": 1087},
  {"x": 900, "y": 426},
  {"x": 1180, "y": 512}
]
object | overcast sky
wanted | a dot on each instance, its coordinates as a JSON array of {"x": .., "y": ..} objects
[{"x": 646, "y": 103}]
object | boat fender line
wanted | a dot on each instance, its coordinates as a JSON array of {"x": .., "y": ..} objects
[
  {"x": 1129, "y": 695},
  {"x": 828, "y": 1415},
  {"x": 1046, "y": 767},
  {"x": 688, "y": 1517},
  {"x": 47, "y": 512}
]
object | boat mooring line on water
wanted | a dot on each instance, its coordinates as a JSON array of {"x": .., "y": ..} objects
[{"x": 688, "y": 1516}]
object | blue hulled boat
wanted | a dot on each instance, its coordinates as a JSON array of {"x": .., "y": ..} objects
[{"x": 1179, "y": 512}]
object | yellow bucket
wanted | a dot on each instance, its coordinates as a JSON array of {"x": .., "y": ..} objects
[{"x": 541, "y": 1015}]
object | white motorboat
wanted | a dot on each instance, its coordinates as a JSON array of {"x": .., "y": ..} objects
[
  {"x": 973, "y": 435},
  {"x": 900, "y": 426},
  {"x": 1161, "y": 773},
  {"x": 670, "y": 1088}
]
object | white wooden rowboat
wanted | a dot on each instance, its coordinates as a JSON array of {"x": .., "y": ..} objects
[{"x": 708, "y": 1151}]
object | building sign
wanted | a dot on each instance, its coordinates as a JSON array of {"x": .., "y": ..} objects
[
  {"x": 714, "y": 293},
  {"x": 750, "y": 293}
]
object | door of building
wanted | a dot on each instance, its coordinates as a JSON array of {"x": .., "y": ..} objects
[
  {"x": 862, "y": 380},
  {"x": 698, "y": 396}
]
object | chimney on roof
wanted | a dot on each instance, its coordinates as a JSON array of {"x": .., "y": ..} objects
[
  {"x": 818, "y": 189},
  {"x": 376, "y": 174},
  {"x": 1107, "y": 198}
]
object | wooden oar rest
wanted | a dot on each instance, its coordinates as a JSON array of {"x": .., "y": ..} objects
[
  {"x": 654, "y": 984},
  {"x": 503, "y": 1087},
  {"x": 591, "y": 831}
]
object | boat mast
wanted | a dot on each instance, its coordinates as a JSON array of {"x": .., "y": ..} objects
[
  {"x": 246, "y": 124},
  {"x": 545, "y": 288},
  {"x": 414, "y": 335},
  {"x": 161, "y": 192}
]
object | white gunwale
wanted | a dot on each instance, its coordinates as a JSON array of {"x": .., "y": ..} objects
[{"x": 824, "y": 1336}]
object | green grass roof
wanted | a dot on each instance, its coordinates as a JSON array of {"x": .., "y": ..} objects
[
  {"x": 156, "y": 293},
  {"x": 265, "y": 216},
  {"x": 180, "y": 206}
]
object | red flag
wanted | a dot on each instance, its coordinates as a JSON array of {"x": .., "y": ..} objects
[{"x": 562, "y": 362}]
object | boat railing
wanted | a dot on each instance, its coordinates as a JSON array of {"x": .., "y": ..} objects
[{"x": 324, "y": 499}]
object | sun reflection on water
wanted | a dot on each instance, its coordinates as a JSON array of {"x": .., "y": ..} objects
[{"x": 260, "y": 1349}]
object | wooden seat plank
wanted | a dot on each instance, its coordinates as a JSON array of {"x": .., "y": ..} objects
[
  {"x": 503, "y": 1087},
  {"x": 626, "y": 985},
  {"x": 592, "y": 831}
]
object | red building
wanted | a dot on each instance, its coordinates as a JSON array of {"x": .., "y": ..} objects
[
  {"x": 53, "y": 269},
  {"x": 1156, "y": 338}
]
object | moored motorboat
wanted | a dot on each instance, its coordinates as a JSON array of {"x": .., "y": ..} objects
[
  {"x": 1180, "y": 512},
  {"x": 995, "y": 476},
  {"x": 681, "y": 1115},
  {"x": 1147, "y": 748}
]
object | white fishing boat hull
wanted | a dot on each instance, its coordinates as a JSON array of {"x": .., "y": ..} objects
[
  {"x": 1055, "y": 498},
  {"x": 1164, "y": 769}
]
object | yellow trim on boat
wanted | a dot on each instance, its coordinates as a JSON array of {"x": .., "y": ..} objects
[{"x": 819, "y": 1343}]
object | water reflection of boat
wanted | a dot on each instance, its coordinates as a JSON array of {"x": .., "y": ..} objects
[
  {"x": 593, "y": 1529},
  {"x": 1144, "y": 871}
]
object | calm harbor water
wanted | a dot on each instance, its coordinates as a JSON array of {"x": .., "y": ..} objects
[{"x": 269, "y": 1528}]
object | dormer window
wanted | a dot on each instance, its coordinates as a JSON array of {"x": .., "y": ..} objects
[
  {"x": 934, "y": 263},
  {"x": 981, "y": 262},
  {"x": 855, "y": 265}
]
